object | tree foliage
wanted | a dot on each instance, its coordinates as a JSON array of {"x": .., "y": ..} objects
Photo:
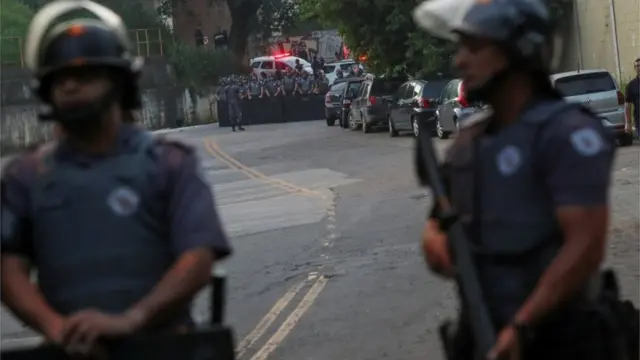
[
  {"x": 14, "y": 19},
  {"x": 384, "y": 31}
]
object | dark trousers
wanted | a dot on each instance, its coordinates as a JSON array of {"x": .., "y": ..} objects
[
  {"x": 573, "y": 335},
  {"x": 235, "y": 114}
]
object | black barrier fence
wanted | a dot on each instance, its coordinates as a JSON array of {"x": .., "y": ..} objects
[{"x": 271, "y": 110}]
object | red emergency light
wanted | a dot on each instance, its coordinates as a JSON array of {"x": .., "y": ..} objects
[{"x": 282, "y": 55}]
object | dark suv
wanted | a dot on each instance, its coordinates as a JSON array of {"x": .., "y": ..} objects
[
  {"x": 414, "y": 103},
  {"x": 333, "y": 104},
  {"x": 369, "y": 109},
  {"x": 349, "y": 93},
  {"x": 453, "y": 107}
]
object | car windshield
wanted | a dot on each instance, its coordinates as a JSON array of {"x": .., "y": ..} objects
[
  {"x": 337, "y": 88},
  {"x": 385, "y": 87},
  {"x": 354, "y": 86},
  {"x": 582, "y": 84},
  {"x": 292, "y": 62},
  {"x": 433, "y": 88},
  {"x": 328, "y": 69}
]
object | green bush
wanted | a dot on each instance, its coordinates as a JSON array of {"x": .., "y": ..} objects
[
  {"x": 14, "y": 23},
  {"x": 200, "y": 67}
]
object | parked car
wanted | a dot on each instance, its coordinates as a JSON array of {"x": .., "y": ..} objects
[
  {"x": 453, "y": 107},
  {"x": 331, "y": 69},
  {"x": 414, "y": 103},
  {"x": 270, "y": 64},
  {"x": 333, "y": 102},
  {"x": 597, "y": 90},
  {"x": 349, "y": 93},
  {"x": 369, "y": 108}
]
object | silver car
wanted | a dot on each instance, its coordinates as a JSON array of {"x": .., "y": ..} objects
[{"x": 597, "y": 90}]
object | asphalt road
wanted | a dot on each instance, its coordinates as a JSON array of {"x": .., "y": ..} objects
[{"x": 325, "y": 223}]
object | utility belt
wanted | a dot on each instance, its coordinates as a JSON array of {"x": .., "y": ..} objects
[{"x": 595, "y": 317}]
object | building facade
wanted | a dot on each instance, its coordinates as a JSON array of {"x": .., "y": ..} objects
[{"x": 605, "y": 34}]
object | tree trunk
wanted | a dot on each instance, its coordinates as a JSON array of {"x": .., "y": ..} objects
[{"x": 241, "y": 15}]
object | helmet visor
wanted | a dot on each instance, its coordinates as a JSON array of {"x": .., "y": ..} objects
[{"x": 449, "y": 18}]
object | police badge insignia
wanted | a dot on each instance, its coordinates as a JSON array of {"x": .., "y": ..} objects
[
  {"x": 586, "y": 142},
  {"x": 509, "y": 160},
  {"x": 123, "y": 201}
]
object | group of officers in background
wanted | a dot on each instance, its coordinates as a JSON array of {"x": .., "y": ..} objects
[{"x": 291, "y": 83}]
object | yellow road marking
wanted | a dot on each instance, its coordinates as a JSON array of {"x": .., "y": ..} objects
[
  {"x": 314, "y": 291},
  {"x": 267, "y": 320},
  {"x": 292, "y": 320},
  {"x": 212, "y": 147}
]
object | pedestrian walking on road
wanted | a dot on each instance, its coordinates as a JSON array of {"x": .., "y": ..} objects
[
  {"x": 119, "y": 225},
  {"x": 632, "y": 102},
  {"x": 530, "y": 181}
]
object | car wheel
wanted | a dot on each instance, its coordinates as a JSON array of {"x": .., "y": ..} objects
[
  {"x": 352, "y": 122},
  {"x": 331, "y": 121},
  {"x": 392, "y": 129},
  {"x": 440, "y": 131},
  {"x": 625, "y": 140},
  {"x": 415, "y": 126}
]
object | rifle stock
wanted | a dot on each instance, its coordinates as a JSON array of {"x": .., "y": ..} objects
[{"x": 482, "y": 329}]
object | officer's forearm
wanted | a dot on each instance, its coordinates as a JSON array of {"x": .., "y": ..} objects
[
  {"x": 23, "y": 297},
  {"x": 627, "y": 113},
  {"x": 188, "y": 275},
  {"x": 574, "y": 265}
]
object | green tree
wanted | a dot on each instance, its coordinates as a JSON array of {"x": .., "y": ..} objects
[
  {"x": 384, "y": 31},
  {"x": 14, "y": 23}
]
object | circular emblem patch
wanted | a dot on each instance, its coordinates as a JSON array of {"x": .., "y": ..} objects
[
  {"x": 123, "y": 201},
  {"x": 509, "y": 160},
  {"x": 586, "y": 142}
]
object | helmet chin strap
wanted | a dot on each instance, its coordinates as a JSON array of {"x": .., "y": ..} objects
[{"x": 483, "y": 92}]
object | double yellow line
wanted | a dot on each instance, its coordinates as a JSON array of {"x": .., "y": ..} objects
[
  {"x": 212, "y": 148},
  {"x": 315, "y": 282}
]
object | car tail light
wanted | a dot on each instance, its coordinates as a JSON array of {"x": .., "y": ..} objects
[
  {"x": 372, "y": 100},
  {"x": 346, "y": 103},
  {"x": 620, "y": 98},
  {"x": 424, "y": 103},
  {"x": 462, "y": 98},
  {"x": 327, "y": 98}
]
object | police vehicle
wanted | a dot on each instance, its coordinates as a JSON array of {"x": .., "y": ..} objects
[{"x": 282, "y": 62}]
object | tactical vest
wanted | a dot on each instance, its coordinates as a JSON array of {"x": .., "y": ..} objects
[
  {"x": 288, "y": 83},
  {"x": 97, "y": 242},
  {"x": 305, "y": 84},
  {"x": 254, "y": 88},
  {"x": 501, "y": 199}
]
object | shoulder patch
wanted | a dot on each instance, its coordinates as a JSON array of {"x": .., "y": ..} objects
[
  {"x": 173, "y": 151},
  {"x": 586, "y": 141}
]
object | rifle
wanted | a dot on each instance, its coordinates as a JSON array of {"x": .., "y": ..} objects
[
  {"x": 482, "y": 330},
  {"x": 214, "y": 341}
]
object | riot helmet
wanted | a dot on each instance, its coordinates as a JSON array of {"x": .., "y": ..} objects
[
  {"x": 522, "y": 29},
  {"x": 54, "y": 47}
]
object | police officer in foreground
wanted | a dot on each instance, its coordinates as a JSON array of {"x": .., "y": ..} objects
[
  {"x": 530, "y": 180},
  {"x": 120, "y": 226}
]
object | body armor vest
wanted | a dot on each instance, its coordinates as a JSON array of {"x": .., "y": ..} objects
[
  {"x": 503, "y": 203},
  {"x": 254, "y": 88},
  {"x": 97, "y": 242},
  {"x": 288, "y": 83}
]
